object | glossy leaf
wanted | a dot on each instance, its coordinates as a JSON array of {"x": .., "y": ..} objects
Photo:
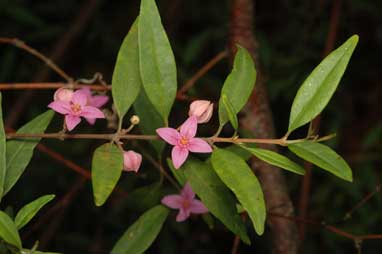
[
  {"x": 239, "y": 84},
  {"x": 3, "y": 168},
  {"x": 8, "y": 230},
  {"x": 316, "y": 91},
  {"x": 237, "y": 175},
  {"x": 276, "y": 159},
  {"x": 107, "y": 166},
  {"x": 230, "y": 112},
  {"x": 215, "y": 195},
  {"x": 142, "y": 233},
  {"x": 29, "y": 211},
  {"x": 20, "y": 152},
  {"x": 323, "y": 157},
  {"x": 126, "y": 82},
  {"x": 156, "y": 59},
  {"x": 150, "y": 120}
]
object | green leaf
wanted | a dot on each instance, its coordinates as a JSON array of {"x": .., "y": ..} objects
[
  {"x": 156, "y": 59},
  {"x": 239, "y": 84},
  {"x": 215, "y": 195},
  {"x": 179, "y": 174},
  {"x": 237, "y": 175},
  {"x": 29, "y": 211},
  {"x": 26, "y": 251},
  {"x": 150, "y": 120},
  {"x": 316, "y": 91},
  {"x": 3, "y": 169},
  {"x": 20, "y": 152},
  {"x": 107, "y": 167},
  {"x": 323, "y": 157},
  {"x": 126, "y": 81},
  {"x": 230, "y": 112},
  {"x": 276, "y": 159},
  {"x": 145, "y": 197},
  {"x": 8, "y": 230},
  {"x": 142, "y": 233}
]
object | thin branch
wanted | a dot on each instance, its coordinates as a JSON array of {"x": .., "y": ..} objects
[
  {"x": 52, "y": 85},
  {"x": 113, "y": 136},
  {"x": 22, "y": 45},
  {"x": 201, "y": 72}
]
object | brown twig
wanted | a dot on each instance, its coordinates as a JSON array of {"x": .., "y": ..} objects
[
  {"x": 51, "y": 85},
  {"x": 315, "y": 125},
  {"x": 200, "y": 73},
  {"x": 22, "y": 45},
  {"x": 327, "y": 227}
]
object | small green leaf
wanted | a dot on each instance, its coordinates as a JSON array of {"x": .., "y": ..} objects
[
  {"x": 107, "y": 167},
  {"x": 145, "y": 197},
  {"x": 237, "y": 175},
  {"x": 8, "y": 230},
  {"x": 142, "y": 233},
  {"x": 29, "y": 211},
  {"x": 323, "y": 157},
  {"x": 26, "y": 251},
  {"x": 316, "y": 91},
  {"x": 214, "y": 195},
  {"x": 230, "y": 112},
  {"x": 126, "y": 82},
  {"x": 150, "y": 120},
  {"x": 3, "y": 168},
  {"x": 179, "y": 174},
  {"x": 239, "y": 84},
  {"x": 276, "y": 159},
  {"x": 20, "y": 152},
  {"x": 156, "y": 59}
]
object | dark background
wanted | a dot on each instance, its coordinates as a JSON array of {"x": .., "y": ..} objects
[{"x": 292, "y": 37}]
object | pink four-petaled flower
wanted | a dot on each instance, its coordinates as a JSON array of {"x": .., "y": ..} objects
[
  {"x": 184, "y": 141},
  {"x": 185, "y": 202},
  {"x": 76, "y": 108}
]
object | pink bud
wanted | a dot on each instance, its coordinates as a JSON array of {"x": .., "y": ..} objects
[
  {"x": 131, "y": 161},
  {"x": 202, "y": 109},
  {"x": 63, "y": 94}
]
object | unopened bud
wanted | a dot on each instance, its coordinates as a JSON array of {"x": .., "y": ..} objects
[
  {"x": 131, "y": 161},
  {"x": 134, "y": 120},
  {"x": 202, "y": 109},
  {"x": 63, "y": 94}
]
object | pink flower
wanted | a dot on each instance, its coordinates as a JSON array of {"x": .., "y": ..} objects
[
  {"x": 185, "y": 202},
  {"x": 184, "y": 141},
  {"x": 95, "y": 101},
  {"x": 75, "y": 109},
  {"x": 131, "y": 161},
  {"x": 202, "y": 109},
  {"x": 63, "y": 94}
]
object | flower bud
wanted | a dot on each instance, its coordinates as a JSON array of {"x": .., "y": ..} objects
[
  {"x": 134, "y": 120},
  {"x": 202, "y": 109},
  {"x": 63, "y": 94},
  {"x": 131, "y": 161}
]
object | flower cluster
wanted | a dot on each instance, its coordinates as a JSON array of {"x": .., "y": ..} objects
[
  {"x": 184, "y": 140},
  {"x": 77, "y": 104}
]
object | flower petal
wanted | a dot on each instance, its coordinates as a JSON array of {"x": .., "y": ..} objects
[
  {"x": 169, "y": 135},
  {"x": 198, "y": 145},
  {"x": 61, "y": 107},
  {"x": 91, "y": 121},
  {"x": 91, "y": 112},
  {"x": 86, "y": 90},
  {"x": 189, "y": 127},
  {"x": 72, "y": 121},
  {"x": 98, "y": 100},
  {"x": 173, "y": 201},
  {"x": 183, "y": 215},
  {"x": 187, "y": 192},
  {"x": 197, "y": 207},
  {"x": 179, "y": 156},
  {"x": 80, "y": 97}
]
